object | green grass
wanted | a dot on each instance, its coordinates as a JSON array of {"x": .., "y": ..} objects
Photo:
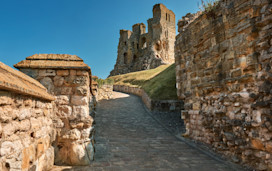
[{"x": 158, "y": 83}]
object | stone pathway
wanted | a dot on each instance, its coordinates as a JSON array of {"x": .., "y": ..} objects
[{"x": 128, "y": 138}]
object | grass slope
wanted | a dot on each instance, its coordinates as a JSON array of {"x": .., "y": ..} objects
[{"x": 158, "y": 83}]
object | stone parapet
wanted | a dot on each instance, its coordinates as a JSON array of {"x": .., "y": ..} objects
[
  {"x": 159, "y": 105},
  {"x": 27, "y": 131},
  {"x": 70, "y": 83}
]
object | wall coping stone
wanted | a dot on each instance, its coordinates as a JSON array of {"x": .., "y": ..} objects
[
  {"x": 53, "y": 61},
  {"x": 13, "y": 80}
]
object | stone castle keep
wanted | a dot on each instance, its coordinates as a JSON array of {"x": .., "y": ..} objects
[{"x": 138, "y": 50}]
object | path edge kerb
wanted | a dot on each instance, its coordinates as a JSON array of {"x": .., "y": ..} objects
[
  {"x": 145, "y": 100},
  {"x": 158, "y": 105},
  {"x": 200, "y": 147}
]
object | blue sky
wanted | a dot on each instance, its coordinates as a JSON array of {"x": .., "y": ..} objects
[{"x": 87, "y": 28}]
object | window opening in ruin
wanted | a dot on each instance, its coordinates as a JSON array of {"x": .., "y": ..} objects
[
  {"x": 125, "y": 58},
  {"x": 143, "y": 43},
  {"x": 158, "y": 46},
  {"x": 137, "y": 45},
  {"x": 134, "y": 58},
  {"x": 125, "y": 43},
  {"x": 166, "y": 16}
]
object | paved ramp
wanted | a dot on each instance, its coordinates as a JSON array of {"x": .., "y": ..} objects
[{"x": 128, "y": 138}]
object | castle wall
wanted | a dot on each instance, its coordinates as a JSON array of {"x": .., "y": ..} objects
[
  {"x": 27, "y": 130},
  {"x": 69, "y": 81},
  {"x": 138, "y": 50},
  {"x": 223, "y": 67}
]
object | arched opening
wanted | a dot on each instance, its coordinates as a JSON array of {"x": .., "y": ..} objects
[
  {"x": 143, "y": 43},
  {"x": 166, "y": 16},
  {"x": 125, "y": 58}
]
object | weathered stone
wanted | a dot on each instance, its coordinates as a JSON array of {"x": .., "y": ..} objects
[
  {"x": 24, "y": 125},
  {"x": 5, "y": 98},
  {"x": 63, "y": 72},
  {"x": 62, "y": 100},
  {"x": 82, "y": 90},
  {"x": 35, "y": 124},
  {"x": 9, "y": 129},
  {"x": 47, "y": 72},
  {"x": 80, "y": 112},
  {"x": 79, "y": 100},
  {"x": 24, "y": 114},
  {"x": 58, "y": 81},
  {"x": 64, "y": 111},
  {"x": 48, "y": 83},
  {"x": 6, "y": 148}
]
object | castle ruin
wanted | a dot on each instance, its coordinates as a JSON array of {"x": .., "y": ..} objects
[{"x": 138, "y": 50}]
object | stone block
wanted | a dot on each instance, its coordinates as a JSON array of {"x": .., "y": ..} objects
[
  {"x": 6, "y": 148},
  {"x": 65, "y": 91},
  {"x": 5, "y": 98},
  {"x": 9, "y": 129},
  {"x": 24, "y": 125},
  {"x": 80, "y": 112},
  {"x": 257, "y": 144},
  {"x": 82, "y": 73},
  {"x": 63, "y": 72},
  {"x": 35, "y": 124},
  {"x": 58, "y": 81},
  {"x": 64, "y": 111},
  {"x": 47, "y": 72},
  {"x": 25, "y": 113},
  {"x": 48, "y": 83},
  {"x": 82, "y": 90},
  {"x": 73, "y": 72},
  {"x": 79, "y": 100},
  {"x": 62, "y": 100},
  {"x": 30, "y": 72}
]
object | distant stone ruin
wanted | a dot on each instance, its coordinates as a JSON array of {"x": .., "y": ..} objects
[{"x": 138, "y": 50}]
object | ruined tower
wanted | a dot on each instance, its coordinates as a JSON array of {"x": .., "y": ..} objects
[{"x": 138, "y": 50}]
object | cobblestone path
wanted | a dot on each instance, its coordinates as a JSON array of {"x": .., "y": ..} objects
[{"x": 128, "y": 138}]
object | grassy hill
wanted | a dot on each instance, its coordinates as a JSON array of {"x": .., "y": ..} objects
[{"x": 158, "y": 83}]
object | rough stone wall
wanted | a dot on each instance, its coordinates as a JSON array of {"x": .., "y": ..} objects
[
  {"x": 27, "y": 131},
  {"x": 105, "y": 92},
  {"x": 157, "y": 105},
  {"x": 70, "y": 85},
  {"x": 138, "y": 50},
  {"x": 223, "y": 67}
]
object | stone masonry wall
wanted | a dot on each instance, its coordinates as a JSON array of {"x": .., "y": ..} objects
[
  {"x": 69, "y": 81},
  {"x": 27, "y": 131},
  {"x": 138, "y": 50},
  {"x": 223, "y": 67}
]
